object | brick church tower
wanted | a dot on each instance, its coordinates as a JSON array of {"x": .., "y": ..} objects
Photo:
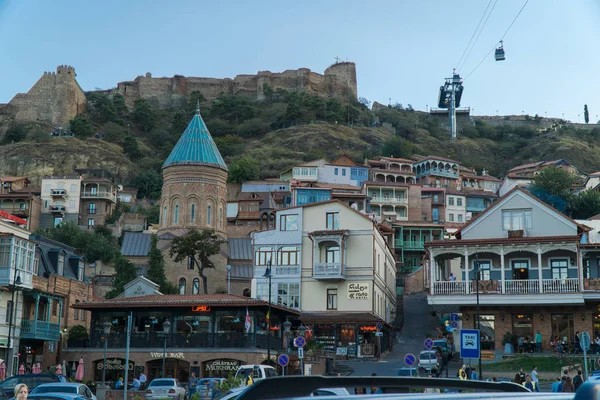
[{"x": 194, "y": 195}]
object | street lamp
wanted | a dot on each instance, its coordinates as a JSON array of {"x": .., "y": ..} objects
[
  {"x": 228, "y": 279},
  {"x": 166, "y": 330},
  {"x": 477, "y": 271},
  {"x": 106, "y": 328},
  {"x": 302, "y": 332},
  {"x": 270, "y": 276},
  {"x": 15, "y": 286}
]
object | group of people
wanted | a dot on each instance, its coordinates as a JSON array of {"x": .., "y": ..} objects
[
  {"x": 363, "y": 390},
  {"x": 138, "y": 383},
  {"x": 566, "y": 384},
  {"x": 467, "y": 372},
  {"x": 530, "y": 381}
]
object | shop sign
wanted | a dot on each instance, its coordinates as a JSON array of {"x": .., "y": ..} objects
[
  {"x": 180, "y": 356},
  {"x": 370, "y": 328},
  {"x": 523, "y": 325},
  {"x": 223, "y": 365},
  {"x": 200, "y": 309},
  {"x": 4, "y": 342},
  {"x": 341, "y": 351},
  {"x": 114, "y": 364},
  {"x": 358, "y": 291}
]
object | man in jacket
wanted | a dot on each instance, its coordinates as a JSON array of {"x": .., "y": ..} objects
[{"x": 529, "y": 384}]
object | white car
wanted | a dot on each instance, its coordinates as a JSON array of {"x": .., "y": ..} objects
[
  {"x": 257, "y": 371},
  {"x": 428, "y": 360},
  {"x": 71, "y": 388},
  {"x": 165, "y": 388}
]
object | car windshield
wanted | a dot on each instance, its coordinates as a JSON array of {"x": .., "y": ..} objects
[
  {"x": 43, "y": 396},
  {"x": 162, "y": 382},
  {"x": 55, "y": 389}
]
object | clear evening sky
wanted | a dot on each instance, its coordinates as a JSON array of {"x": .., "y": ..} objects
[{"x": 403, "y": 48}]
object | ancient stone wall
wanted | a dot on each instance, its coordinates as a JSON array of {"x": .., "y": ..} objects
[{"x": 56, "y": 98}]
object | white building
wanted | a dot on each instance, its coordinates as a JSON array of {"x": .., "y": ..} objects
[
  {"x": 60, "y": 197},
  {"x": 456, "y": 206}
]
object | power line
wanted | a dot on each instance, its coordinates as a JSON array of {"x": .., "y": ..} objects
[
  {"x": 474, "y": 33},
  {"x": 494, "y": 48},
  {"x": 479, "y": 34}
]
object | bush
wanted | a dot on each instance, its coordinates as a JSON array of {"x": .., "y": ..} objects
[
  {"x": 78, "y": 332},
  {"x": 14, "y": 134},
  {"x": 81, "y": 126},
  {"x": 508, "y": 338}
]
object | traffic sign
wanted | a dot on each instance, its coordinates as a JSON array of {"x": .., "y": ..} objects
[
  {"x": 453, "y": 317},
  {"x": 409, "y": 359},
  {"x": 378, "y": 334},
  {"x": 584, "y": 341},
  {"x": 470, "y": 343},
  {"x": 379, "y": 325},
  {"x": 283, "y": 360},
  {"x": 300, "y": 353},
  {"x": 454, "y": 324},
  {"x": 299, "y": 341},
  {"x": 428, "y": 344}
]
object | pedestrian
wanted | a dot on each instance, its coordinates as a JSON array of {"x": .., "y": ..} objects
[
  {"x": 522, "y": 375},
  {"x": 529, "y": 384},
  {"x": 568, "y": 386},
  {"x": 462, "y": 373},
  {"x": 538, "y": 342},
  {"x": 431, "y": 390},
  {"x": 534, "y": 375},
  {"x": 563, "y": 380},
  {"x": 452, "y": 278},
  {"x": 135, "y": 384},
  {"x": 142, "y": 381},
  {"x": 21, "y": 391},
  {"x": 556, "y": 385},
  {"x": 192, "y": 385},
  {"x": 468, "y": 371},
  {"x": 494, "y": 379},
  {"x": 360, "y": 390},
  {"x": 474, "y": 376},
  {"x": 577, "y": 380},
  {"x": 119, "y": 384}
]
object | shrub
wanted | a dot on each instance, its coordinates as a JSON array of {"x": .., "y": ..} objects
[{"x": 78, "y": 332}]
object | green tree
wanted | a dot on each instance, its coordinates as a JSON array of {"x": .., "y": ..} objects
[
  {"x": 149, "y": 184},
  {"x": 195, "y": 97},
  {"x": 156, "y": 269},
  {"x": 230, "y": 145},
  {"x": 131, "y": 148},
  {"x": 143, "y": 115},
  {"x": 198, "y": 246},
  {"x": 119, "y": 105},
  {"x": 243, "y": 169},
  {"x": 584, "y": 205},
  {"x": 555, "y": 181},
  {"x": 101, "y": 108},
  {"x": 586, "y": 114},
  {"x": 14, "y": 134},
  {"x": 81, "y": 126},
  {"x": 114, "y": 133},
  {"x": 152, "y": 214},
  {"x": 397, "y": 147},
  {"x": 125, "y": 273}
]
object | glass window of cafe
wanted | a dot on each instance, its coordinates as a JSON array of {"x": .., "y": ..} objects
[
  {"x": 522, "y": 325},
  {"x": 488, "y": 334},
  {"x": 562, "y": 326}
]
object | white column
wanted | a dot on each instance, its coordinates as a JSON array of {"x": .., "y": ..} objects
[
  {"x": 502, "y": 276},
  {"x": 539, "y": 254},
  {"x": 431, "y": 267},
  {"x": 580, "y": 268},
  {"x": 467, "y": 289}
]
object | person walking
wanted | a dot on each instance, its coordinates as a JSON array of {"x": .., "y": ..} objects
[
  {"x": 192, "y": 385},
  {"x": 556, "y": 385},
  {"x": 568, "y": 386},
  {"x": 534, "y": 375},
  {"x": 538, "y": 342},
  {"x": 577, "y": 380},
  {"x": 529, "y": 384},
  {"x": 142, "y": 381}
]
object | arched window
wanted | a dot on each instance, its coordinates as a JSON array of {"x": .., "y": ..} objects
[
  {"x": 209, "y": 215},
  {"x": 182, "y": 286},
  {"x": 196, "y": 286},
  {"x": 176, "y": 214},
  {"x": 193, "y": 214},
  {"x": 164, "y": 218}
]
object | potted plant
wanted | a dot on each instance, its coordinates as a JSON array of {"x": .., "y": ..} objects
[{"x": 507, "y": 342}]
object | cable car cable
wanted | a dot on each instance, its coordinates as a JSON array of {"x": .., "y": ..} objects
[
  {"x": 476, "y": 39},
  {"x": 473, "y": 35},
  {"x": 502, "y": 38}
]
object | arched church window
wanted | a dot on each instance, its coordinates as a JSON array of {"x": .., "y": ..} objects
[
  {"x": 176, "y": 214},
  {"x": 209, "y": 215},
  {"x": 193, "y": 214},
  {"x": 182, "y": 286}
]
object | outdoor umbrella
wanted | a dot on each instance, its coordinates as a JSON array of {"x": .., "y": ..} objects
[{"x": 79, "y": 371}]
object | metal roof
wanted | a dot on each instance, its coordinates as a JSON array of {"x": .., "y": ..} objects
[
  {"x": 136, "y": 244},
  {"x": 241, "y": 271},
  {"x": 240, "y": 248},
  {"x": 196, "y": 147}
]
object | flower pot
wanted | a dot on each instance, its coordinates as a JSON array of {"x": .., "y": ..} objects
[{"x": 508, "y": 348}]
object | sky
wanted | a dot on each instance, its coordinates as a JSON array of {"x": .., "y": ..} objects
[{"x": 403, "y": 49}]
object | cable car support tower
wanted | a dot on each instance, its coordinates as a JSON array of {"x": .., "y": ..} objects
[{"x": 450, "y": 95}]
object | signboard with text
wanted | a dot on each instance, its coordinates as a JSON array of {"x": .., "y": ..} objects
[
  {"x": 358, "y": 291},
  {"x": 469, "y": 343}
]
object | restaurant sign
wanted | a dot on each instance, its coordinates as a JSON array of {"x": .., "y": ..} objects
[
  {"x": 200, "y": 309},
  {"x": 114, "y": 364},
  {"x": 358, "y": 291},
  {"x": 180, "y": 356},
  {"x": 223, "y": 365}
]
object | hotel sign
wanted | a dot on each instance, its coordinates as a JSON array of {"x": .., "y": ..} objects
[
  {"x": 358, "y": 291},
  {"x": 223, "y": 365}
]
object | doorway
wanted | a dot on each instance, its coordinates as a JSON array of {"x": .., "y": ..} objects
[
  {"x": 520, "y": 269},
  {"x": 174, "y": 368}
]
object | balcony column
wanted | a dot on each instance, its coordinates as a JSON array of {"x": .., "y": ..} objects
[
  {"x": 580, "y": 268},
  {"x": 431, "y": 267},
  {"x": 48, "y": 313},
  {"x": 467, "y": 289},
  {"x": 60, "y": 311},
  {"x": 502, "y": 274},
  {"x": 539, "y": 259},
  {"x": 380, "y": 191}
]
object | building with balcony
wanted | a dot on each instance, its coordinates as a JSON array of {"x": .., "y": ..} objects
[
  {"x": 434, "y": 171},
  {"x": 331, "y": 262},
  {"x": 456, "y": 207},
  {"x": 208, "y": 334},
  {"x": 478, "y": 201},
  {"x": 532, "y": 272},
  {"x": 60, "y": 196},
  {"x": 393, "y": 201},
  {"x": 389, "y": 169},
  {"x": 522, "y": 175},
  {"x": 26, "y": 206},
  {"x": 343, "y": 171},
  {"x": 98, "y": 201},
  {"x": 471, "y": 181}
]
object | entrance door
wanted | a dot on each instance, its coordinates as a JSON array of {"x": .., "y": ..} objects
[
  {"x": 520, "y": 269},
  {"x": 174, "y": 368}
]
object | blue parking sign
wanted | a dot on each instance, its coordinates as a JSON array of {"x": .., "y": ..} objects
[{"x": 470, "y": 345}]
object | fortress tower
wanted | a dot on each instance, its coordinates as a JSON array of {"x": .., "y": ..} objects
[{"x": 194, "y": 195}]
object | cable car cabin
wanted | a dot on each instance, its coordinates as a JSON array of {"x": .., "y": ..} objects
[{"x": 500, "y": 53}]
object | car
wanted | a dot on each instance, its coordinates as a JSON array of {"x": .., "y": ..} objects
[
  {"x": 55, "y": 396},
  {"x": 469, "y": 343},
  {"x": 258, "y": 372},
  {"x": 408, "y": 371},
  {"x": 72, "y": 388},
  {"x": 231, "y": 394},
  {"x": 31, "y": 380},
  {"x": 165, "y": 388},
  {"x": 428, "y": 360}
]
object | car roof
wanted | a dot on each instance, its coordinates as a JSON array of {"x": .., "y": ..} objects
[
  {"x": 428, "y": 351},
  {"x": 61, "y": 384}
]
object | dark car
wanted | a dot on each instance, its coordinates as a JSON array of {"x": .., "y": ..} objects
[{"x": 31, "y": 380}]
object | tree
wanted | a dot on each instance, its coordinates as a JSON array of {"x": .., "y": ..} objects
[
  {"x": 397, "y": 147},
  {"x": 198, "y": 246},
  {"x": 195, "y": 97},
  {"x": 156, "y": 269},
  {"x": 14, "y": 134},
  {"x": 586, "y": 114},
  {"x": 152, "y": 213},
  {"x": 364, "y": 101},
  {"x": 143, "y": 115},
  {"x": 125, "y": 273},
  {"x": 97, "y": 245},
  {"x": 131, "y": 148},
  {"x": 584, "y": 205},
  {"x": 119, "y": 105},
  {"x": 149, "y": 184},
  {"x": 243, "y": 169},
  {"x": 81, "y": 126},
  {"x": 555, "y": 181}
]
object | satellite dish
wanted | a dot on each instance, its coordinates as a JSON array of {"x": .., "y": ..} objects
[{"x": 120, "y": 188}]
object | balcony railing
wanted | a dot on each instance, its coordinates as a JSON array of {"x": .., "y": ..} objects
[
  {"x": 410, "y": 244},
  {"x": 39, "y": 330},
  {"x": 450, "y": 287},
  {"x": 389, "y": 200},
  {"x": 16, "y": 211},
  {"x": 520, "y": 286},
  {"x": 328, "y": 271},
  {"x": 99, "y": 195},
  {"x": 57, "y": 209},
  {"x": 440, "y": 172},
  {"x": 568, "y": 285},
  {"x": 286, "y": 270},
  {"x": 58, "y": 192}
]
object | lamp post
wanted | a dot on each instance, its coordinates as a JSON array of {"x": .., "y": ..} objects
[
  {"x": 106, "y": 328},
  {"x": 477, "y": 272},
  {"x": 9, "y": 350},
  {"x": 270, "y": 276},
  {"x": 166, "y": 330},
  {"x": 228, "y": 279},
  {"x": 287, "y": 326},
  {"x": 302, "y": 332}
]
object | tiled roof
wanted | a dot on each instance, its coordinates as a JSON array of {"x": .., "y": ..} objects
[
  {"x": 533, "y": 239},
  {"x": 345, "y": 161},
  {"x": 196, "y": 147},
  {"x": 402, "y": 160},
  {"x": 12, "y": 178},
  {"x": 178, "y": 300},
  {"x": 240, "y": 248},
  {"x": 136, "y": 244},
  {"x": 339, "y": 316},
  {"x": 268, "y": 203}
]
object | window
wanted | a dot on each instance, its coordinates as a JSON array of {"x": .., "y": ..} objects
[
  {"x": 196, "y": 286},
  {"x": 451, "y": 217},
  {"x": 436, "y": 198},
  {"x": 450, "y": 200},
  {"x": 9, "y": 308},
  {"x": 335, "y": 171},
  {"x": 80, "y": 271},
  {"x": 57, "y": 221},
  {"x": 288, "y": 222},
  {"x": 333, "y": 220},
  {"x": 523, "y": 325},
  {"x": 176, "y": 214},
  {"x": 61, "y": 265},
  {"x": 164, "y": 218},
  {"x": 332, "y": 254},
  {"x": 182, "y": 286},
  {"x": 262, "y": 292},
  {"x": 45, "y": 203},
  {"x": 344, "y": 172},
  {"x": 287, "y": 256},
  {"x": 220, "y": 217},
  {"x": 91, "y": 222},
  {"x": 71, "y": 203},
  {"x": 484, "y": 267},
  {"x": 263, "y": 255},
  {"x": 92, "y": 209},
  {"x": 332, "y": 299},
  {"x": 459, "y": 201},
  {"x": 209, "y": 215},
  {"x": 193, "y": 214},
  {"x": 288, "y": 295},
  {"x": 513, "y": 220},
  {"x": 559, "y": 269},
  {"x": 74, "y": 188},
  {"x": 562, "y": 326},
  {"x": 460, "y": 217},
  {"x": 76, "y": 311},
  {"x": 190, "y": 263}
]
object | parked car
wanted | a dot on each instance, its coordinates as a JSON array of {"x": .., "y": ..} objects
[
  {"x": 71, "y": 388},
  {"x": 445, "y": 348},
  {"x": 162, "y": 388},
  {"x": 258, "y": 372},
  {"x": 55, "y": 396},
  {"x": 231, "y": 394},
  {"x": 408, "y": 371},
  {"x": 428, "y": 360},
  {"x": 31, "y": 380}
]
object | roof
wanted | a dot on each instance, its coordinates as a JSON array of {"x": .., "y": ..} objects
[
  {"x": 13, "y": 178},
  {"x": 595, "y": 217},
  {"x": 478, "y": 193},
  {"x": 595, "y": 173},
  {"x": 242, "y": 271},
  {"x": 403, "y": 160},
  {"x": 535, "y": 239},
  {"x": 136, "y": 244},
  {"x": 339, "y": 316},
  {"x": 179, "y": 300},
  {"x": 377, "y": 183},
  {"x": 240, "y": 248},
  {"x": 196, "y": 147},
  {"x": 345, "y": 161},
  {"x": 326, "y": 185},
  {"x": 268, "y": 203},
  {"x": 419, "y": 158}
]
